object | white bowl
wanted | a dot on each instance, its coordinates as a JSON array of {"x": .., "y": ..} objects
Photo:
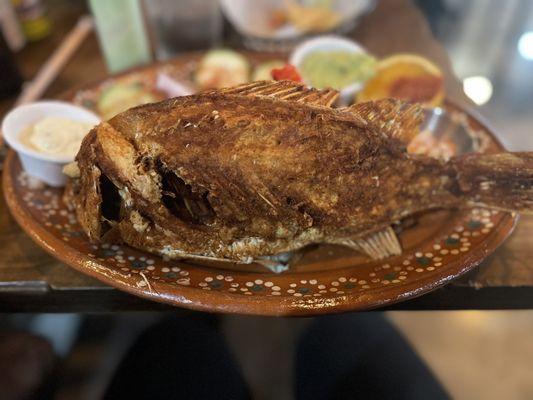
[
  {"x": 45, "y": 167},
  {"x": 329, "y": 43},
  {"x": 253, "y": 18}
]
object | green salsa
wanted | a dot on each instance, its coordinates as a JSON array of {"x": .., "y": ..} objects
[{"x": 337, "y": 69}]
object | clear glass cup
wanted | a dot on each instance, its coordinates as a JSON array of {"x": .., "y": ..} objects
[{"x": 183, "y": 25}]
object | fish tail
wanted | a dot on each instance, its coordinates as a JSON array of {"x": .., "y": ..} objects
[{"x": 501, "y": 181}]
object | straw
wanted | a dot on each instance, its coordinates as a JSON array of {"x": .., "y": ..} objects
[{"x": 49, "y": 71}]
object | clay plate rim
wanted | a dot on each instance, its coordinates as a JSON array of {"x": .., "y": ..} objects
[{"x": 214, "y": 301}]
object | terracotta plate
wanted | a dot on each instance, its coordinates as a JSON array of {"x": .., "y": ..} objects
[{"x": 438, "y": 247}]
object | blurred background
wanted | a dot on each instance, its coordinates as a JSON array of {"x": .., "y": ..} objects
[{"x": 476, "y": 354}]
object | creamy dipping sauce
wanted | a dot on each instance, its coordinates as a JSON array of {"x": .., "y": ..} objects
[{"x": 55, "y": 136}]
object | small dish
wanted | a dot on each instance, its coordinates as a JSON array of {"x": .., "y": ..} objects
[
  {"x": 45, "y": 167},
  {"x": 255, "y": 21},
  {"x": 329, "y": 43}
]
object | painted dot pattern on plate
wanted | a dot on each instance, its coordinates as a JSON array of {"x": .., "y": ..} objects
[
  {"x": 48, "y": 208},
  {"x": 468, "y": 231}
]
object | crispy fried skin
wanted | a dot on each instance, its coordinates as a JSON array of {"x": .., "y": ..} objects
[{"x": 234, "y": 176}]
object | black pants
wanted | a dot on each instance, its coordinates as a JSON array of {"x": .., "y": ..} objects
[{"x": 351, "y": 356}]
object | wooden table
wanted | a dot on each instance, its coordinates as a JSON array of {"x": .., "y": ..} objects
[{"x": 31, "y": 280}]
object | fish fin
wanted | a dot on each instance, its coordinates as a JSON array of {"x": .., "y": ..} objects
[
  {"x": 394, "y": 118},
  {"x": 378, "y": 245},
  {"x": 280, "y": 262},
  {"x": 285, "y": 90},
  {"x": 274, "y": 266},
  {"x": 502, "y": 181}
]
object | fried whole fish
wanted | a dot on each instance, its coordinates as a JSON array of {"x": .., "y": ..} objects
[{"x": 265, "y": 168}]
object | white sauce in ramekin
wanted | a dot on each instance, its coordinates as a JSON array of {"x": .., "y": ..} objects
[{"x": 55, "y": 136}]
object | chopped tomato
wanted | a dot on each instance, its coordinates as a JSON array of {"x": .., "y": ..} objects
[{"x": 287, "y": 72}]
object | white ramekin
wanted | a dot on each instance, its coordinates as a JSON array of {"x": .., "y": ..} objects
[
  {"x": 45, "y": 167},
  {"x": 328, "y": 43}
]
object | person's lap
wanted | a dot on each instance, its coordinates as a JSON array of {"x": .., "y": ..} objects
[
  {"x": 360, "y": 356},
  {"x": 179, "y": 358},
  {"x": 344, "y": 356}
]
